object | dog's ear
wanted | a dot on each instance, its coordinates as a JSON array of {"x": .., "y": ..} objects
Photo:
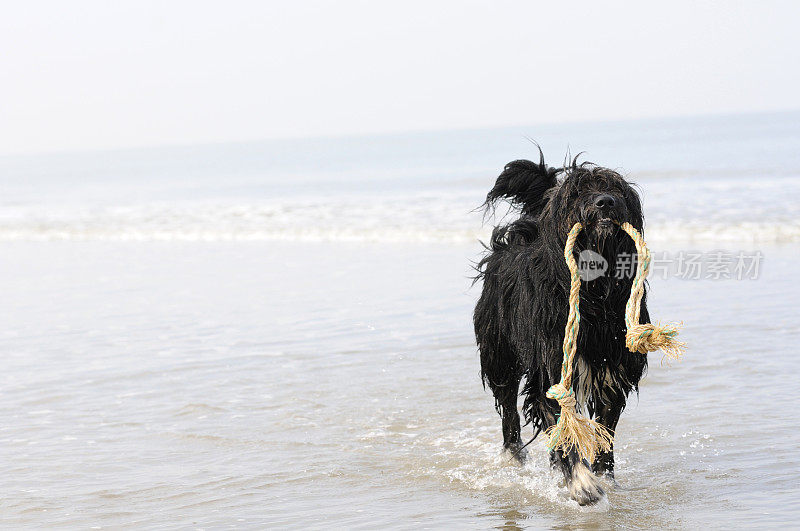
[{"x": 523, "y": 183}]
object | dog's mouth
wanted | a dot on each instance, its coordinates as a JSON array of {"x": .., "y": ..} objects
[
  {"x": 602, "y": 231},
  {"x": 603, "y": 226}
]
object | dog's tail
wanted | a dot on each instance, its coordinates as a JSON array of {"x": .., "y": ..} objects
[{"x": 523, "y": 183}]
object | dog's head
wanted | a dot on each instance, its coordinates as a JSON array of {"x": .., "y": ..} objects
[{"x": 597, "y": 197}]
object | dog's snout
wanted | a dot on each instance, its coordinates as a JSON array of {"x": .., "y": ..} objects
[{"x": 604, "y": 201}]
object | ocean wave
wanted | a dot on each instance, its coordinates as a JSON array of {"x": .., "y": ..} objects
[{"x": 423, "y": 219}]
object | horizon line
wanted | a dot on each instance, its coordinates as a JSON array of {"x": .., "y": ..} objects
[{"x": 368, "y": 134}]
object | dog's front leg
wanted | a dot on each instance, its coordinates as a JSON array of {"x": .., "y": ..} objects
[
  {"x": 608, "y": 416},
  {"x": 583, "y": 485}
]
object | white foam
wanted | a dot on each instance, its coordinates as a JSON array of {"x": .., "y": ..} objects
[
  {"x": 683, "y": 211},
  {"x": 318, "y": 223},
  {"x": 473, "y": 459}
]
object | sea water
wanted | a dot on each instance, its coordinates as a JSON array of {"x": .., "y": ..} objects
[{"x": 278, "y": 334}]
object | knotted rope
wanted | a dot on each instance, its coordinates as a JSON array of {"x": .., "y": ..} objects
[{"x": 573, "y": 430}]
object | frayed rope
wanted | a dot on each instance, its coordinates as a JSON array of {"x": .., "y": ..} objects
[{"x": 572, "y": 430}]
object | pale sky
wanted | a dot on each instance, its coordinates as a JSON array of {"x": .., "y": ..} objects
[{"x": 92, "y": 75}]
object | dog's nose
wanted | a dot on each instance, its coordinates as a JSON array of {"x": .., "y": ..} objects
[{"x": 604, "y": 201}]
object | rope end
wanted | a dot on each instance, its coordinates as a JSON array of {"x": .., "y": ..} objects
[
  {"x": 575, "y": 431},
  {"x": 644, "y": 338}
]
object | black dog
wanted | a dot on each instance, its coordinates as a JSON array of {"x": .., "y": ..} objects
[{"x": 520, "y": 317}]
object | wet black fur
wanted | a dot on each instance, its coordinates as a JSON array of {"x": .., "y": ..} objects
[{"x": 520, "y": 317}]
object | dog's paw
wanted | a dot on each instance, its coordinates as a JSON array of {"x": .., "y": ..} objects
[
  {"x": 584, "y": 486},
  {"x": 516, "y": 453}
]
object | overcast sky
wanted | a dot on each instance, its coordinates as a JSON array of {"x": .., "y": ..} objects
[{"x": 86, "y": 75}]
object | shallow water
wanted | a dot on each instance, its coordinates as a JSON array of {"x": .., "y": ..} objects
[
  {"x": 317, "y": 385},
  {"x": 279, "y": 335}
]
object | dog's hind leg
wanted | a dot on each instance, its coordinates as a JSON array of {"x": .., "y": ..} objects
[
  {"x": 506, "y": 399},
  {"x": 512, "y": 440},
  {"x": 500, "y": 369}
]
